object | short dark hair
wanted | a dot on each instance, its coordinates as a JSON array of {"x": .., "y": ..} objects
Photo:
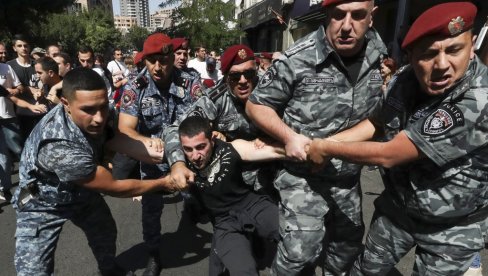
[
  {"x": 117, "y": 49},
  {"x": 19, "y": 37},
  {"x": 64, "y": 56},
  {"x": 81, "y": 78},
  {"x": 47, "y": 64},
  {"x": 85, "y": 49},
  {"x": 194, "y": 125}
]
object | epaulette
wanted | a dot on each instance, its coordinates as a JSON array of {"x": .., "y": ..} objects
[
  {"x": 299, "y": 47},
  {"x": 182, "y": 81},
  {"x": 217, "y": 91},
  {"x": 140, "y": 83}
]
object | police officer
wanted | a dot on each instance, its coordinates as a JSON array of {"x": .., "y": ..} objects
[
  {"x": 224, "y": 107},
  {"x": 154, "y": 100},
  {"x": 61, "y": 177},
  {"x": 434, "y": 124},
  {"x": 326, "y": 82},
  {"x": 180, "y": 48}
]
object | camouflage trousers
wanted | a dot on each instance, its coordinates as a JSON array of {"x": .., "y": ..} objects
[
  {"x": 39, "y": 226},
  {"x": 446, "y": 252},
  {"x": 313, "y": 208}
]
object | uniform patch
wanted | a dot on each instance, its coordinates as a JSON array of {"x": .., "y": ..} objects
[
  {"x": 446, "y": 117},
  {"x": 128, "y": 97},
  {"x": 318, "y": 80},
  {"x": 196, "y": 91},
  {"x": 266, "y": 79},
  {"x": 376, "y": 77},
  {"x": 197, "y": 112}
]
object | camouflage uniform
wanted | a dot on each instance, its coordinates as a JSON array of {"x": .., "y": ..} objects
[
  {"x": 439, "y": 203},
  {"x": 155, "y": 111},
  {"x": 308, "y": 86},
  {"x": 227, "y": 115},
  {"x": 55, "y": 155}
]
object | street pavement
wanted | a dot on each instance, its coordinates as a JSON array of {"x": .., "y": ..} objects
[{"x": 184, "y": 247}]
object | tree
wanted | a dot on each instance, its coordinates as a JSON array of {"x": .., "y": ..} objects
[
  {"x": 209, "y": 23},
  {"x": 22, "y": 16},
  {"x": 94, "y": 29},
  {"x": 135, "y": 37}
]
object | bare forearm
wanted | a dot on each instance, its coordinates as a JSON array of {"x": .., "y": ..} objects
[
  {"x": 363, "y": 131},
  {"x": 134, "y": 187}
]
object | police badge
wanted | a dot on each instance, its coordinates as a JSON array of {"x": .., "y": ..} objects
[{"x": 456, "y": 25}]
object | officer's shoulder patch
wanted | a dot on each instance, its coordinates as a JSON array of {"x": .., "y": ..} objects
[
  {"x": 217, "y": 91},
  {"x": 198, "y": 112},
  {"x": 196, "y": 91},
  {"x": 128, "y": 97},
  {"x": 299, "y": 47},
  {"x": 267, "y": 78},
  {"x": 446, "y": 117},
  {"x": 140, "y": 83}
]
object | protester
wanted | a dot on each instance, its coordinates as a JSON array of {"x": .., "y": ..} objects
[
  {"x": 236, "y": 211},
  {"x": 433, "y": 122},
  {"x": 326, "y": 82},
  {"x": 23, "y": 67}
]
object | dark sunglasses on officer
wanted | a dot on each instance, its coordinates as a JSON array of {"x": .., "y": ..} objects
[{"x": 236, "y": 76}]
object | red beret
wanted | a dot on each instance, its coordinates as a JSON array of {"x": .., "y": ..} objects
[
  {"x": 447, "y": 19},
  {"x": 179, "y": 42},
  {"x": 333, "y": 2},
  {"x": 234, "y": 55},
  {"x": 266, "y": 55},
  {"x": 138, "y": 58},
  {"x": 156, "y": 44},
  {"x": 208, "y": 83}
]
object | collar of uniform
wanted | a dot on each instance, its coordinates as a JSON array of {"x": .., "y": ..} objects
[
  {"x": 464, "y": 83},
  {"x": 322, "y": 46},
  {"x": 174, "y": 88}
]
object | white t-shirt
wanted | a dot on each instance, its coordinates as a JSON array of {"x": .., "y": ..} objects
[
  {"x": 200, "y": 66},
  {"x": 8, "y": 79},
  {"x": 107, "y": 82},
  {"x": 117, "y": 68}
]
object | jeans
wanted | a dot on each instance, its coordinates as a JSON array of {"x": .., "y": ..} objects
[{"x": 10, "y": 143}]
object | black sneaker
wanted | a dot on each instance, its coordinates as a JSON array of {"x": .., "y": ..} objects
[{"x": 153, "y": 267}]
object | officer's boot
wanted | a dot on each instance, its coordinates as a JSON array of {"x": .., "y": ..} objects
[{"x": 153, "y": 267}]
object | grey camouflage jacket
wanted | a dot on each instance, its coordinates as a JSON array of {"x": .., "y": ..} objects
[
  {"x": 310, "y": 87},
  {"x": 452, "y": 131}
]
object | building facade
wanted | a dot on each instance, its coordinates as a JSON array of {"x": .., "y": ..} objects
[
  {"x": 88, "y": 5},
  {"x": 138, "y": 9},
  {"x": 124, "y": 23},
  {"x": 161, "y": 19}
]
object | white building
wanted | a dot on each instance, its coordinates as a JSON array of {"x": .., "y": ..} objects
[
  {"x": 138, "y": 9},
  {"x": 124, "y": 23},
  {"x": 161, "y": 19}
]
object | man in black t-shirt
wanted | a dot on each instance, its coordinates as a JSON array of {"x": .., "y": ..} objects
[{"x": 236, "y": 211}]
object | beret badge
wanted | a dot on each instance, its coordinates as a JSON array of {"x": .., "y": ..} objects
[
  {"x": 456, "y": 25},
  {"x": 242, "y": 54}
]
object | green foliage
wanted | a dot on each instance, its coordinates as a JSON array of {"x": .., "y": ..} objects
[
  {"x": 134, "y": 39},
  {"x": 209, "y": 23},
  {"x": 23, "y": 16}
]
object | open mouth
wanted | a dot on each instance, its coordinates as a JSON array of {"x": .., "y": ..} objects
[{"x": 440, "y": 82}]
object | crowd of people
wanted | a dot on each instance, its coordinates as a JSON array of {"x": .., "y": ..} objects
[{"x": 269, "y": 147}]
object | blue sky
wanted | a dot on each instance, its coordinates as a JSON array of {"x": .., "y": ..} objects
[{"x": 153, "y": 6}]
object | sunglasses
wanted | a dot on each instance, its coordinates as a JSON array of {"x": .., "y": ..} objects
[
  {"x": 236, "y": 76},
  {"x": 163, "y": 59}
]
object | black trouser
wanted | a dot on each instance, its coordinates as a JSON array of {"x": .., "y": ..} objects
[{"x": 233, "y": 233}]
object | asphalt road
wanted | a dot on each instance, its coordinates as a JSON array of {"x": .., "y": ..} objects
[{"x": 184, "y": 248}]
